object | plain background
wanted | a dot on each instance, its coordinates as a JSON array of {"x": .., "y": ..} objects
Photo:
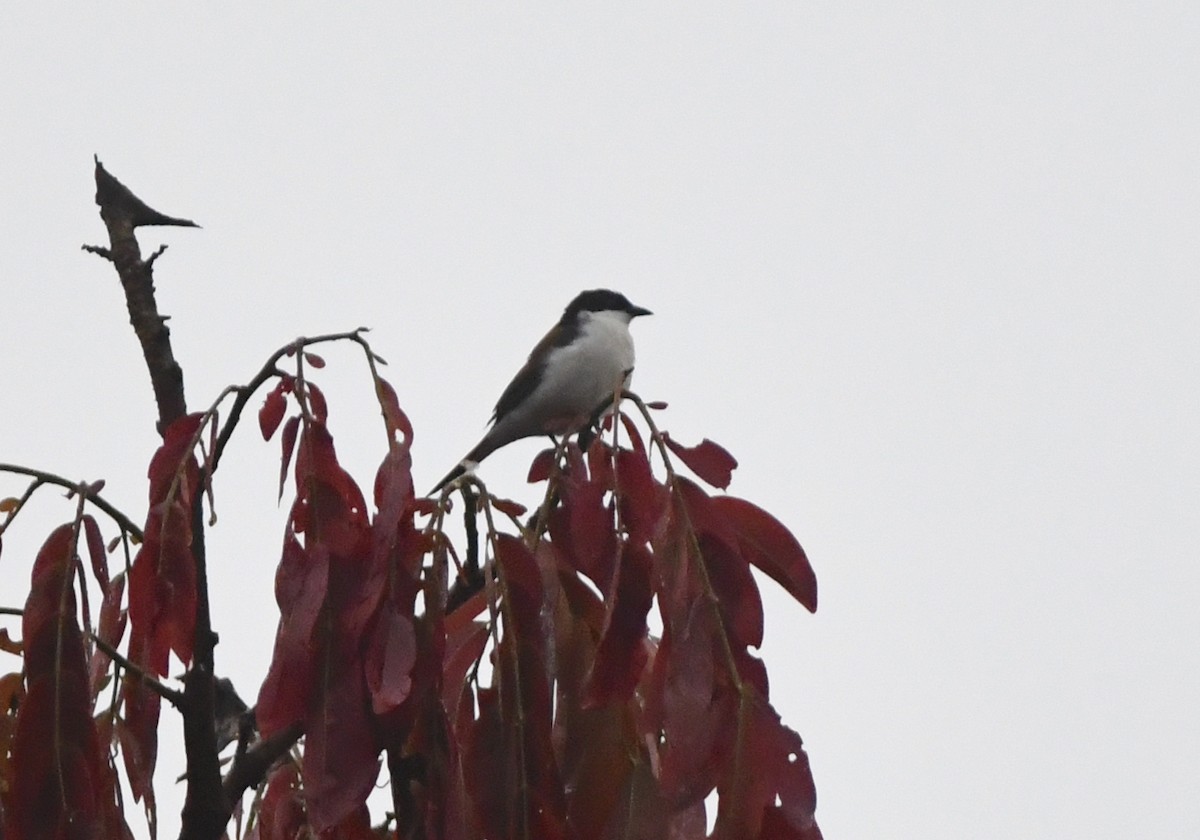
[{"x": 929, "y": 270}]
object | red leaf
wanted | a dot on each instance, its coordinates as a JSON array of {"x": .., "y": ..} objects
[
  {"x": 541, "y": 467},
  {"x": 710, "y": 461},
  {"x": 532, "y": 782},
  {"x": 393, "y": 417},
  {"x": 110, "y": 631},
  {"x": 770, "y": 546},
  {"x": 643, "y": 812},
  {"x": 622, "y": 654},
  {"x": 288, "y": 446},
  {"x": 56, "y": 754},
  {"x": 509, "y": 508},
  {"x": 599, "y": 461},
  {"x": 137, "y": 733},
  {"x": 697, "y": 523},
  {"x": 657, "y": 405},
  {"x": 780, "y": 772},
  {"x": 463, "y": 649},
  {"x": 273, "y": 408},
  {"x": 316, "y": 402},
  {"x": 162, "y": 583},
  {"x": 393, "y": 492},
  {"x": 591, "y": 542},
  {"x": 424, "y": 506},
  {"x": 737, "y": 593},
  {"x": 391, "y": 654},
  {"x": 635, "y": 437},
  {"x": 281, "y": 815},
  {"x": 314, "y": 360},
  {"x": 642, "y": 500},
  {"x": 96, "y": 553},
  {"x": 683, "y": 704},
  {"x": 329, "y": 506},
  {"x": 340, "y": 755},
  {"x": 300, "y": 586}
]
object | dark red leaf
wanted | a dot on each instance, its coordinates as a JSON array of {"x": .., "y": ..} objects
[
  {"x": 316, "y": 402},
  {"x": 356, "y": 826},
  {"x": 780, "y": 772},
  {"x": 424, "y": 506},
  {"x": 393, "y": 492},
  {"x": 643, "y": 813},
  {"x": 683, "y": 705},
  {"x": 391, "y": 654},
  {"x": 541, "y": 467},
  {"x": 599, "y": 461},
  {"x": 110, "y": 631},
  {"x": 288, "y": 446},
  {"x": 490, "y": 768},
  {"x": 737, "y": 593},
  {"x": 770, "y": 546},
  {"x": 281, "y": 815},
  {"x": 314, "y": 360},
  {"x": 393, "y": 417},
  {"x": 657, "y": 405},
  {"x": 300, "y": 586},
  {"x": 162, "y": 583},
  {"x": 597, "y": 747},
  {"x": 96, "y": 553},
  {"x": 340, "y": 754},
  {"x": 273, "y": 408},
  {"x": 55, "y": 750},
  {"x": 710, "y": 461},
  {"x": 137, "y": 732},
  {"x": 533, "y": 782},
  {"x": 635, "y": 437},
  {"x": 463, "y": 649},
  {"x": 622, "y": 653},
  {"x": 591, "y": 541},
  {"x": 329, "y": 506},
  {"x": 642, "y": 499},
  {"x": 509, "y": 508}
]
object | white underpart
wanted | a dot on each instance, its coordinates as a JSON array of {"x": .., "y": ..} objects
[{"x": 577, "y": 378}]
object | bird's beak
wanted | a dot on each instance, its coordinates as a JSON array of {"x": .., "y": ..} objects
[{"x": 637, "y": 310}]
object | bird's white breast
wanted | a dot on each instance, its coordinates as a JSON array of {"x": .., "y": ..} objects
[{"x": 579, "y": 376}]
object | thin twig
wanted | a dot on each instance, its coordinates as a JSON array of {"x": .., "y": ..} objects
[
  {"x": 171, "y": 695},
  {"x": 43, "y": 477}
]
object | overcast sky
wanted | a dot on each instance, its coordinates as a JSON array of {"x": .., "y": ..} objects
[{"x": 929, "y": 270}]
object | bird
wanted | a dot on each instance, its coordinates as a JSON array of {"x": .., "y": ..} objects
[{"x": 571, "y": 372}]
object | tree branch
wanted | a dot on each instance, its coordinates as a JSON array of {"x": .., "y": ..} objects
[
  {"x": 92, "y": 496},
  {"x": 250, "y": 767},
  {"x": 204, "y": 812},
  {"x": 175, "y": 698},
  {"x": 123, "y": 212}
]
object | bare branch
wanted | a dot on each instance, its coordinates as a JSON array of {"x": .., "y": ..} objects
[
  {"x": 172, "y": 696},
  {"x": 251, "y": 766},
  {"x": 41, "y": 477}
]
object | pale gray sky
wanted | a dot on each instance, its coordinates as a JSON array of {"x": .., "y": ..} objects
[{"x": 929, "y": 270}]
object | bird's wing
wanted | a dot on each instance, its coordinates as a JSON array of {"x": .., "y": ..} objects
[{"x": 530, "y": 374}]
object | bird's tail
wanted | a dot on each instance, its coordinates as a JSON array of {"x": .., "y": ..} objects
[
  {"x": 470, "y": 461},
  {"x": 458, "y": 470}
]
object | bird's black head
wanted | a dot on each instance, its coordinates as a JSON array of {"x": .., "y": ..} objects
[{"x": 601, "y": 300}]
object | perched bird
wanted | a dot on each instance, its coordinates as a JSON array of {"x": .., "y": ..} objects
[{"x": 571, "y": 372}]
